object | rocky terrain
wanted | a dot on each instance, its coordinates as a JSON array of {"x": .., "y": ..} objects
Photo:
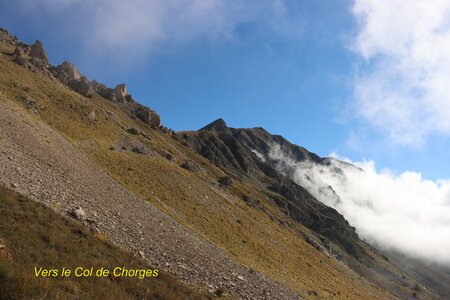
[
  {"x": 53, "y": 172},
  {"x": 34, "y": 57},
  {"x": 254, "y": 154},
  {"x": 209, "y": 206}
]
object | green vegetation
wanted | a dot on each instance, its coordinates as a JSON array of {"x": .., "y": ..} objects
[{"x": 34, "y": 235}]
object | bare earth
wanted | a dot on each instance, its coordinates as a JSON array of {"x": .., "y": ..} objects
[{"x": 38, "y": 162}]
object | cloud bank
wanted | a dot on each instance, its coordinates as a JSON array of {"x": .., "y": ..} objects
[
  {"x": 401, "y": 88},
  {"x": 405, "y": 212}
]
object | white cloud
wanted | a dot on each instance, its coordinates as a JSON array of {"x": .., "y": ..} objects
[
  {"x": 402, "y": 85},
  {"x": 404, "y": 212},
  {"x": 127, "y": 31}
]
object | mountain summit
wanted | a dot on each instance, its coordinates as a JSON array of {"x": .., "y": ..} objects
[{"x": 217, "y": 125}]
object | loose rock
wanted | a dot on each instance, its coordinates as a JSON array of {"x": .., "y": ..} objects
[{"x": 79, "y": 213}]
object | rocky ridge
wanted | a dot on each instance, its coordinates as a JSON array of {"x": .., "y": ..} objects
[
  {"x": 255, "y": 155},
  {"x": 245, "y": 152},
  {"x": 35, "y": 58}
]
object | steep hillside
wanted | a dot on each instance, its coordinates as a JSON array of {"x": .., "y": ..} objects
[
  {"x": 200, "y": 205},
  {"x": 32, "y": 235},
  {"x": 256, "y": 156}
]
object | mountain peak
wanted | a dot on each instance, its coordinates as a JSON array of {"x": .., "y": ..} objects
[{"x": 217, "y": 125}]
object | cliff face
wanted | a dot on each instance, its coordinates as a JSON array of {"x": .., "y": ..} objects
[{"x": 270, "y": 162}]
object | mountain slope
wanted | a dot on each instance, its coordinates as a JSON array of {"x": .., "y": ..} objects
[
  {"x": 265, "y": 160},
  {"x": 34, "y": 235},
  {"x": 232, "y": 224}
]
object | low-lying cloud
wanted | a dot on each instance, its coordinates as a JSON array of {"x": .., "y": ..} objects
[{"x": 403, "y": 212}]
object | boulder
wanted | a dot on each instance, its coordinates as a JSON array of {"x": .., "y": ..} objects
[
  {"x": 20, "y": 56},
  {"x": 79, "y": 213},
  {"x": 37, "y": 51},
  {"x": 31, "y": 104},
  {"x": 190, "y": 166},
  {"x": 92, "y": 116},
  {"x": 133, "y": 130},
  {"x": 82, "y": 86},
  {"x": 102, "y": 90},
  {"x": 125, "y": 143},
  {"x": 225, "y": 181},
  {"x": 120, "y": 93},
  {"x": 148, "y": 116},
  {"x": 66, "y": 72}
]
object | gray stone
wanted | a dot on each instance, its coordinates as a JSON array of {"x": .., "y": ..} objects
[
  {"x": 37, "y": 51},
  {"x": 102, "y": 90},
  {"x": 66, "y": 72},
  {"x": 133, "y": 130},
  {"x": 148, "y": 116},
  {"x": 92, "y": 116},
  {"x": 79, "y": 213},
  {"x": 82, "y": 86},
  {"x": 120, "y": 93},
  {"x": 190, "y": 166},
  {"x": 20, "y": 57}
]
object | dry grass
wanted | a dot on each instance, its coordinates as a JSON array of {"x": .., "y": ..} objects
[
  {"x": 36, "y": 236},
  {"x": 193, "y": 199}
]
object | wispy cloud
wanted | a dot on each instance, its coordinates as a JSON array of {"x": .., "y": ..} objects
[
  {"x": 133, "y": 30},
  {"x": 401, "y": 88},
  {"x": 404, "y": 212}
]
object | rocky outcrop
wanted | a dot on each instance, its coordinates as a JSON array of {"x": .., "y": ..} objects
[
  {"x": 66, "y": 72},
  {"x": 217, "y": 125},
  {"x": 120, "y": 93},
  {"x": 102, "y": 90},
  {"x": 127, "y": 144},
  {"x": 34, "y": 57},
  {"x": 82, "y": 86},
  {"x": 20, "y": 56},
  {"x": 148, "y": 116},
  {"x": 37, "y": 51},
  {"x": 133, "y": 130},
  {"x": 245, "y": 153}
]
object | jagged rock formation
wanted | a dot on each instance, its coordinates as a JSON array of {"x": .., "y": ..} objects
[
  {"x": 82, "y": 86},
  {"x": 37, "y": 51},
  {"x": 66, "y": 72},
  {"x": 34, "y": 57},
  {"x": 121, "y": 94},
  {"x": 20, "y": 56},
  {"x": 148, "y": 116},
  {"x": 245, "y": 152}
]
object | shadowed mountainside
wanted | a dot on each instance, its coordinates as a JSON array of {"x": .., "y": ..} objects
[{"x": 253, "y": 154}]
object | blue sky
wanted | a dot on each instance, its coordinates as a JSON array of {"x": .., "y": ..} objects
[{"x": 351, "y": 77}]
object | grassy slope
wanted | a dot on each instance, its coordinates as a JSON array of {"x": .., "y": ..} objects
[
  {"x": 191, "y": 198},
  {"x": 37, "y": 236}
]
